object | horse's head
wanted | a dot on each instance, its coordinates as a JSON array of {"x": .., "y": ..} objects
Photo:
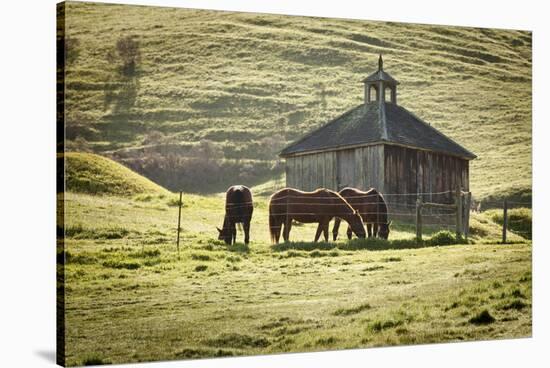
[
  {"x": 225, "y": 235},
  {"x": 356, "y": 223},
  {"x": 384, "y": 230}
]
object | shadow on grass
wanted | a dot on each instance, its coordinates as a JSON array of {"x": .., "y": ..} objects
[
  {"x": 368, "y": 244},
  {"x": 238, "y": 248}
]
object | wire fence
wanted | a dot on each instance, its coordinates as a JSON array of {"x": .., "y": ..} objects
[
  {"x": 440, "y": 213},
  {"x": 375, "y": 208}
]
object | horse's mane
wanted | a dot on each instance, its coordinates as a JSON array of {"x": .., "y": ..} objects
[{"x": 298, "y": 191}]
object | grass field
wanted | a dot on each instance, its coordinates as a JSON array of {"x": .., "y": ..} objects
[
  {"x": 130, "y": 296},
  {"x": 236, "y": 79}
]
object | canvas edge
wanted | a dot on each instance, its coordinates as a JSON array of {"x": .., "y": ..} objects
[{"x": 60, "y": 184}]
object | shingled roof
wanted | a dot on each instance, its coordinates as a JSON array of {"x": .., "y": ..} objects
[
  {"x": 380, "y": 75},
  {"x": 376, "y": 122}
]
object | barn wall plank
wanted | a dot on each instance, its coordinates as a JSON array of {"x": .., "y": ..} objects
[{"x": 289, "y": 171}]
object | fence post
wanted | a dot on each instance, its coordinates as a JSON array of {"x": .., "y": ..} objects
[
  {"x": 458, "y": 202},
  {"x": 179, "y": 222},
  {"x": 467, "y": 215},
  {"x": 418, "y": 220},
  {"x": 504, "y": 221}
]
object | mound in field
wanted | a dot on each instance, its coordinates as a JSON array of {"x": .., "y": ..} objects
[{"x": 94, "y": 174}]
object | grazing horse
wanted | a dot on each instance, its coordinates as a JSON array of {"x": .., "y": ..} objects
[
  {"x": 319, "y": 206},
  {"x": 372, "y": 208},
  {"x": 238, "y": 209}
]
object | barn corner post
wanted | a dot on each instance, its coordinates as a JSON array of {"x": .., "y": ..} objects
[
  {"x": 418, "y": 219},
  {"x": 467, "y": 205},
  {"x": 179, "y": 223},
  {"x": 458, "y": 202}
]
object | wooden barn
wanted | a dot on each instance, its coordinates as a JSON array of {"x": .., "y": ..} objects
[{"x": 381, "y": 145}]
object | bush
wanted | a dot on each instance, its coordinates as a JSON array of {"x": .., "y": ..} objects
[
  {"x": 444, "y": 238},
  {"x": 483, "y": 318}
]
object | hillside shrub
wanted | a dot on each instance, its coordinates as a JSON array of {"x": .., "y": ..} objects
[
  {"x": 482, "y": 318},
  {"x": 444, "y": 237}
]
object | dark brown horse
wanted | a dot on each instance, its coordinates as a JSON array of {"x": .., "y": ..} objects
[
  {"x": 319, "y": 206},
  {"x": 372, "y": 208},
  {"x": 238, "y": 209}
]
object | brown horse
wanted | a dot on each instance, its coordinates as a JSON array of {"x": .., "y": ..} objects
[
  {"x": 319, "y": 206},
  {"x": 238, "y": 209},
  {"x": 372, "y": 208}
]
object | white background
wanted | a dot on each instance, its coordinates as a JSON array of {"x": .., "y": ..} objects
[{"x": 27, "y": 179}]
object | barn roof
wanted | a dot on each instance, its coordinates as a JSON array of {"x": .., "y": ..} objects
[
  {"x": 376, "y": 122},
  {"x": 380, "y": 75}
]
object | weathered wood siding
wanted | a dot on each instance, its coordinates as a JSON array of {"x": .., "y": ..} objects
[
  {"x": 361, "y": 168},
  {"x": 369, "y": 168},
  {"x": 393, "y": 170},
  {"x": 309, "y": 172},
  {"x": 345, "y": 163},
  {"x": 416, "y": 171}
]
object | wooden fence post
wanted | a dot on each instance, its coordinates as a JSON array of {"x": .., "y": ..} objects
[
  {"x": 458, "y": 202},
  {"x": 504, "y": 221},
  {"x": 467, "y": 214},
  {"x": 179, "y": 222},
  {"x": 418, "y": 220}
]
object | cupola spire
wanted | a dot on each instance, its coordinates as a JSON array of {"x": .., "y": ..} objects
[{"x": 377, "y": 83}]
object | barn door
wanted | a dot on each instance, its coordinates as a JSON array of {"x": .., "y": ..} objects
[{"x": 345, "y": 163}]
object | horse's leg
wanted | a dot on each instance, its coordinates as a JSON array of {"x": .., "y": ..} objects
[
  {"x": 369, "y": 229},
  {"x": 275, "y": 222},
  {"x": 246, "y": 228},
  {"x": 337, "y": 221},
  {"x": 325, "y": 229},
  {"x": 349, "y": 232},
  {"x": 286, "y": 231},
  {"x": 318, "y": 233},
  {"x": 375, "y": 229},
  {"x": 234, "y": 233}
]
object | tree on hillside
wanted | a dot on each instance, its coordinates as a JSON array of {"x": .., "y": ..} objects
[
  {"x": 207, "y": 151},
  {"x": 270, "y": 146},
  {"x": 121, "y": 89},
  {"x": 127, "y": 52}
]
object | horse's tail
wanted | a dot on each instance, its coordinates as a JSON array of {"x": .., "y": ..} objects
[
  {"x": 271, "y": 225},
  {"x": 274, "y": 225},
  {"x": 381, "y": 209}
]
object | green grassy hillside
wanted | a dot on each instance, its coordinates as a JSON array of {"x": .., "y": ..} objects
[
  {"x": 94, "y": 174},
  {"x": 251, "y": 83}
]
